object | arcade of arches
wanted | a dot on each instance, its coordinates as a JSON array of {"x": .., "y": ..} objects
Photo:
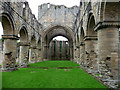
[{"x": 92, "y": 31}]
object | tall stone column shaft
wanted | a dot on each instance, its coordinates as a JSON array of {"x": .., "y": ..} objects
[
  {"x": 10, "y": 48},
  {"x": 39, "y": 55},
  {"x": 82, "y": 53},
  {"x": 23, "y": 57},
  {"x": 33, "y": 54},
  {"x": 91, "y": 52},
  {"x": 108, "y": 39}
]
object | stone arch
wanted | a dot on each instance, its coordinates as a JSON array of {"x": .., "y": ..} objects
[
  {"x": 24, "y": 47},
  {"x": 23, "y": 35},
  {"x": 33, "y": 41},
  {"x": 58, "y": 26},
  {"x": 54, "y": 31},
  {"x": 33, "y": 50},
  {"x": 10, "y": 42},
  {"x": 91, "y": 25},
  {"x": 8, "y": 24}
]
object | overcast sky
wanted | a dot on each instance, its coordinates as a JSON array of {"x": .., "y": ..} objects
[{"x": 35, "y": 3}]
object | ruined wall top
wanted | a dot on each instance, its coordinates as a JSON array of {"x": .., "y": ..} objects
[{"x": 50, "y": 14}]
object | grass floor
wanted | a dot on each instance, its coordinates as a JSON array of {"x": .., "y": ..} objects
[
  {"x": 54, "y": 64},
  {"x": 49, "y": 78}
]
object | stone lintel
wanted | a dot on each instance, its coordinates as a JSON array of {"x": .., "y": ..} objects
[
  {"x": 106, "y": 24},
  {"x": 90, "y": 38},
  {"x": 15, "y": 37}
]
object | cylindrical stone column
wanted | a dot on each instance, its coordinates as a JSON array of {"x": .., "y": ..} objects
[
  {"x": 91, "y": 52},
  {"x": 82, "y": 53},
  {"x": 1, "y": 51},
  {"x": 10, "y": 48},
  {"x": 108, "y": 39},
  {"x": 23, "y": 56},
  {"x": 39, "y": 55},
  {"x": 33, "y": 54}
]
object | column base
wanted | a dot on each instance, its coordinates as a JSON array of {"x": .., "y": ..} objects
[{"x": 9, "y": 69}]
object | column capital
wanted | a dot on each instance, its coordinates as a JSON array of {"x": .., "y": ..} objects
[
  {"x": 106, "y": 24},
  {"x": 15, "y": 37},
  {"x": 90, "y": 38}
]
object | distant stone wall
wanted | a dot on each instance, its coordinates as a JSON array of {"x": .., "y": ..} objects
[
  {"x": 49, "y": 14},
  {"x": 59, "y": 50}
]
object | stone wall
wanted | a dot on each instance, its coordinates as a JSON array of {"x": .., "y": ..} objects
[
  {"x": 59, "y": 50},
  {"x": 49, "y": 14},
  {"x": 98, "y": 47}
]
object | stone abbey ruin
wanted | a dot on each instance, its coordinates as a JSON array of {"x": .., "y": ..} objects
[{"x": 92, "y": 30}]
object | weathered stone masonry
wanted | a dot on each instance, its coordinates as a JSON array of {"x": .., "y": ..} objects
[
  {"x": 92, "y": 30},
  {"x": 97, "y": 39}
]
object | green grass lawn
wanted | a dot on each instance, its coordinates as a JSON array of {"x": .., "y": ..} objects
[
  {"x": 49, "y": 78},
  {"x": 54, "y": 64}
]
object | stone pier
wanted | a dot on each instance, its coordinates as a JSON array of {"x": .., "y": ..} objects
[
  {"x": 24, "y": 55},
  {"x": 10, "y": 47}
]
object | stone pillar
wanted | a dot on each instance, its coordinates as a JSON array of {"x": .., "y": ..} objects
[
  {"x": 23, "y": 56},
  {"x": 39, "y": 55},
  {"x": 82, "y": 53},
  {"x": 77, "y": 53},
  {"x": 91, "y": 52},
  {"x": 108, "y": 39},
  {"x": 1, "y": 51},
  {"x": 33, "y": 54},
  {"x": 44, "y": 52},
  {"x": 71, "y": 56},
  {"x": 10, "y": 48}
]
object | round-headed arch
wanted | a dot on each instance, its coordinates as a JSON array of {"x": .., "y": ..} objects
[
  {"x": 91, "y": 25},
  {"x": 23, "y": 35},
  {"x": 7, "y": 23},
  {"x": 57, "y": 30}
]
